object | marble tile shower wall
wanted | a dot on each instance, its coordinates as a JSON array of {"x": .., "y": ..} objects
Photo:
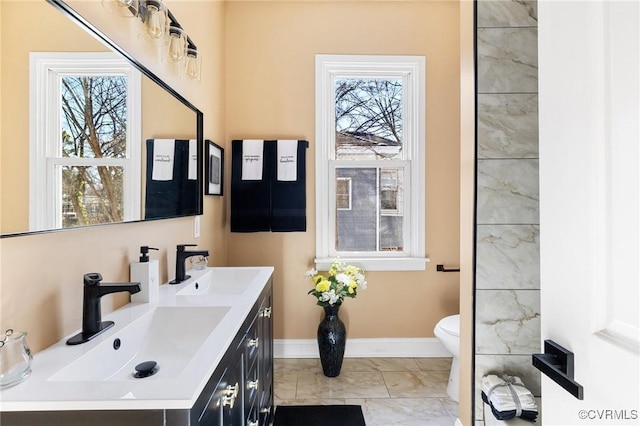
[{"x": 507, "y": 245}]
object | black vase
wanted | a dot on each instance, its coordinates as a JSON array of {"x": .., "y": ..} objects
[{"x": 332, "y": 337}]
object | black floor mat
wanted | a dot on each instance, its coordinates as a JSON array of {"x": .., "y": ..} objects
[{"x": 319, "y": 415}]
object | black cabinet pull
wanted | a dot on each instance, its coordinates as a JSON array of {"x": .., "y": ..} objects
[{"x": 557, "y": 363}]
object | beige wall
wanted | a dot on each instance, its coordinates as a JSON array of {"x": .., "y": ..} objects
[
  {"x": 270, "y": 94},
  {"x": 41, "y": 275}
]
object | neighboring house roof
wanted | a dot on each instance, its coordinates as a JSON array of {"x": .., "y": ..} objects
[{"x": 362, "y": 139}]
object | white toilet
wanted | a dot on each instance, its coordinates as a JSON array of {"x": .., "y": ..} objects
[{"x": 447, "y": 330}]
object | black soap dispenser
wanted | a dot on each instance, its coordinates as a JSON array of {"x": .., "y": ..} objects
[
  {"x": 146, "y": 272},
  {"x": 144, "y": 253}
]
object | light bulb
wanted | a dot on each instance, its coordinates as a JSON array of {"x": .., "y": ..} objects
[
  {"x": 176, "y": 44},
  {"x": 154, "y": 21},
  {"x": 193, "y": 70}
]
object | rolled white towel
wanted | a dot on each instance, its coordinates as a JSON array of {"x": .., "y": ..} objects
[{"x": 508, "y": 393}]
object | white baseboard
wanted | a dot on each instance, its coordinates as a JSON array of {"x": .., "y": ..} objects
[{"x": 364, "y": 348}]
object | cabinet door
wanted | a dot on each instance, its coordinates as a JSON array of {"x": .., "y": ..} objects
[
  {"x": 233, "y": 404},
  {"x": 212, "y": 414},
  {"x": 225, "y": 406}
]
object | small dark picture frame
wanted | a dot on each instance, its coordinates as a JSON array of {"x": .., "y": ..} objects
[{"x": 214, "y": 169}]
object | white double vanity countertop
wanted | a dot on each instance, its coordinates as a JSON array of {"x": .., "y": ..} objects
[{"x": 187, "y": 332}]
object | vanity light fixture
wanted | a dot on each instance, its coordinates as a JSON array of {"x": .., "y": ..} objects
[{"x": 164, "y": 31}]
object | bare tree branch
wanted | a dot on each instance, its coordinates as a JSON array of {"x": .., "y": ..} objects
[{"x": 370, "y": 110}]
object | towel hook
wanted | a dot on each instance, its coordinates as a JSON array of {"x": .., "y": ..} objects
[{"x": 441, "y": 268}]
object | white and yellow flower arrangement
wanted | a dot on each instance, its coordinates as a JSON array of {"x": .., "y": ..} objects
[{"x": 341, "y": 281}]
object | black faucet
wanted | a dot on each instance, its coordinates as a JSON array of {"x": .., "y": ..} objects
[
  {"x": 92, "y": 323},
  {"x": 181, "y": 255}
]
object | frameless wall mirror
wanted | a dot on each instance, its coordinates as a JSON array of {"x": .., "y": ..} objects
[{"x": 79, "y": 141}]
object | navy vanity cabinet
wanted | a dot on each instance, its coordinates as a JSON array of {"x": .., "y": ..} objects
[{"x": 240, "y": 392}]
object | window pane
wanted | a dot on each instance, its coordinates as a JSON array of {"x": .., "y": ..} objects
[
  {"x": 391, "y": 209},
  {"x": 343, "y": 193},
  {"x": 391, "y": 191},
  {"x": 356, "y": 228},
  {"x": 391, "y": 233},
  {"x": 388, "y": 189},
  {"x": 374, "y": 221},
  {"x": 91, "y": 195},
  {"x": 94, "y": 116},
  {"x": 368, "y": 118}
]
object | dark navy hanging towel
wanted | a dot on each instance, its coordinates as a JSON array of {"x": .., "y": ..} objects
[
  {"x": 264, "y": 201},
  {"x": 171, "y": 193},
  {"x": 288, "y": 197},
  {"x": 250, "y": 198}
]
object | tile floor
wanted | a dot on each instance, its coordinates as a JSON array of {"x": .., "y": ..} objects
[{"x": 391, "y": 391}]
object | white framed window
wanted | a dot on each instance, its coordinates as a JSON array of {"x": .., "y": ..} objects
[
  {"x": 85, "y": 140},
  {"x": 370, "y": 152}
]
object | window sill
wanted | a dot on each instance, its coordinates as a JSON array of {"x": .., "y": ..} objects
[{"x": 377, "y": 264}]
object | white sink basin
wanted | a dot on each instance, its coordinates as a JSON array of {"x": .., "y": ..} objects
[
  {"x": 168, "y": 335},
  {"x": 223, "y": 281}
]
